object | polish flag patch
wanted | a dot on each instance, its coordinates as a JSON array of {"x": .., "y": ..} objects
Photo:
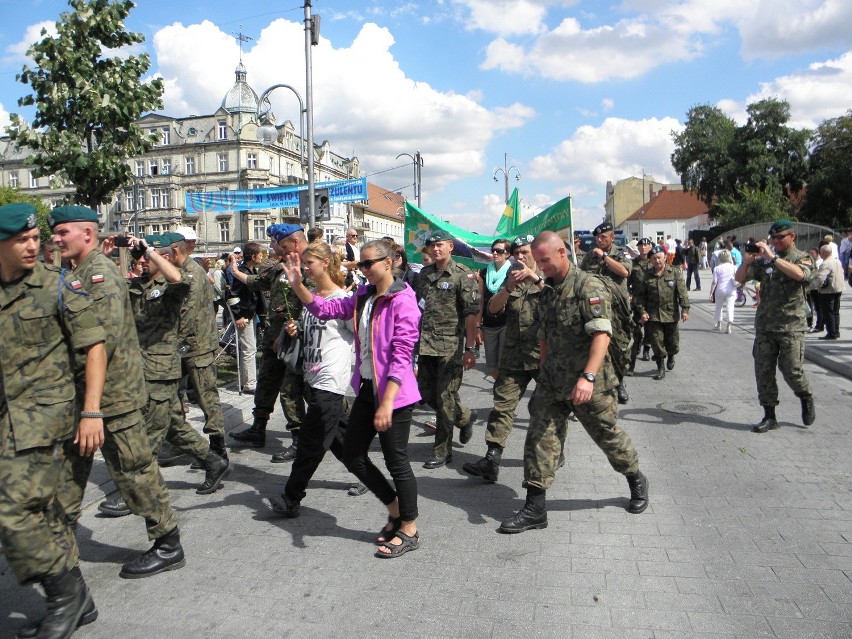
[
  {"x": 98, "y": 278},
  {"x": 594, "y": 300},
  {"x": 76, "y": 285}
]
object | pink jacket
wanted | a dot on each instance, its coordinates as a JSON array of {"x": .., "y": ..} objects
[{"x": 395, "y": 329}]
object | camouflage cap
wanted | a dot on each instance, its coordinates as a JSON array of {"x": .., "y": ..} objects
[
  {"x": 522, "y": 240},
  {"x": 602, "y": 228},
  {"x": 16, "y": 217},
  {"x": 72, "y": 213},
  {"x": 438, "y": 235},
  {"x": 780, "y": 225}
]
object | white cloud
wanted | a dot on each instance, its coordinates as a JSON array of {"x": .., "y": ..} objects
[
  {"x": 822, "y": 91},
  {"x": 778, "y": 27},
  {"x": 607, "y": 104},
  {"x": 32, "y": 34},
  {"x": 363, "y": 101},
  {"x": 4, "y": 119},
  {"x": 617, "y": 148},
  {"x": 506, "y": 17}
]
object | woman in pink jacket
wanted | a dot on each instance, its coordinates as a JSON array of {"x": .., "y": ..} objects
[{"x": 386, "y": 318}]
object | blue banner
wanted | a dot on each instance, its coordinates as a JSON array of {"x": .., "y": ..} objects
[{"x": 277, "y": 197}]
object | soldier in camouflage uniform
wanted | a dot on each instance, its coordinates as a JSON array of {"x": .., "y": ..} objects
[
  {"x": 660, "y": 301},
  {"x": 637, "y": 273},
  {"x": 274, "y": 379},
  {"x": 44, "y": 323},
  {"x": 519, "y": 357},
  {"x": 608, "y": 261},
  {"x": 574, "y": 325},
  {"x": 779, "y": 339},
  {"x": 199, "y": 340},
  {"x": 156, "y": 299},
  {"x": 449, "y": 300},
  {"x": 126, "y": 449}
]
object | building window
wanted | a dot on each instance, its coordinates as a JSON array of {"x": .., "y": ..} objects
[
  {"x": 289, "y": 169},
  {"x": 189, "y": 165},
  {"x": 166, "y": 135},
  {"x": 164, "y": 198},
  {"x": 223, "y": 130},
  {"x": 251, "y": 160},
  {"x": 128, "y": 200},
  {"x": 155, "y": 198},
  {"x": 260, "y": 229},
  {"x": 223, "y": 162},
  {"x": 13, "y": 179},
  {"x": 155, "y": 229},
  {"x": 165, "y": 167},
  {"x": 140, "y": 168},
  {"x": 224, "y": 231},
  {"x": 152, "y": 167},
  {"x": 33, "y": 181},
  {"x": 140, "y": 200}
]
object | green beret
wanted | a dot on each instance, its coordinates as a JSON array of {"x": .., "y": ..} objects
[
  {"x": 74, "y": 213},
  {"x": 780, "y": 225},
  {"x": 438, "y": 236},
  {"x": 170, "y": 237},
  {"x": 155, "y": 241},
  {"x": 17, "y": 217},
  {"x": 522, "y": 240}
]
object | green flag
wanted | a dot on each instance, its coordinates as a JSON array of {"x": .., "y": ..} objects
[{"x": 511, "y": 217}]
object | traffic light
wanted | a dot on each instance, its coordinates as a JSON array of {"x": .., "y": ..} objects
[{"x": 322, "y": 206}]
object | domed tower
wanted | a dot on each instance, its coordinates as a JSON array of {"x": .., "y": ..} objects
[{"x": 241, "y": 98}]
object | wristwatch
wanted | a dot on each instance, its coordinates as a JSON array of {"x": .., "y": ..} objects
[
  {"x": 590, "y": 376},
  {"x": 470, "y": 349},
  {"x": 538, "y": 281}
]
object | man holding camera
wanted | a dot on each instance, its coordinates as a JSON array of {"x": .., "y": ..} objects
[{"x": 779, "y": 341}]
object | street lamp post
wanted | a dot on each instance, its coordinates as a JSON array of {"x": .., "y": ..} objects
[
  {"x": 311, "y": 38},
  {"x": 506, "y": 170},
  {"x": 417, "y": 159}
]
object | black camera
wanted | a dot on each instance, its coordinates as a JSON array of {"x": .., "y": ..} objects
[
  {"x": 751, "y": 247},
  {"x": 137, "y": 252},
  {"x": 122, "y": 241}
]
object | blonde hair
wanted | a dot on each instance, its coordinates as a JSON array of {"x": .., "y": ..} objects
[
  {"x": 322, "y": 251},
  {"x": 724, "y": 256}
]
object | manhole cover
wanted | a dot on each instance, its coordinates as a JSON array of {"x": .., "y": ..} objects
[{"x": 691, "y": 408}]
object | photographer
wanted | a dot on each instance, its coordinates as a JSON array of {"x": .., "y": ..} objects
[{"x": 779, "y": 323}]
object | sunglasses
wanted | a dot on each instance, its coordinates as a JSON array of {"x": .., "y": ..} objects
[
  {"x": 367, "y": 264},
  {"x": 779, "y": 236},
  {"x": 499, "y": 251}
]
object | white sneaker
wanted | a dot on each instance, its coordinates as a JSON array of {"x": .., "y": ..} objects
[
  {"x": 718, "y": 326},
  {"x": 729, "y": 330}
]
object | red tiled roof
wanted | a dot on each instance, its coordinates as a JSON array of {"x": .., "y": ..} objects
[
  {"x": 384, "y": 202},
  {"x": 670, "y": 205}
]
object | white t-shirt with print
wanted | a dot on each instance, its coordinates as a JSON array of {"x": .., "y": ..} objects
[{"x": 328, "y": 351}]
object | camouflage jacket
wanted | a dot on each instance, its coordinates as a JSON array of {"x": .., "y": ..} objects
[
  {"x": 568, "y": 316},
  {"x": 197, "y": 319},
  {"x": 637, "y": 273},
  {"x": 662, "y": 297},
  {"x": 782, "y": 299},
  {"x": 520, "y": 339},
  {"x": 446, "y": 297},
  {"x": 593, "y": 264},
  {"x": 284, "y": 304},
  {"x": 124, "y": 387},
  {"x": 156, "y": 306},
  {"x": 37, "y": 369}
]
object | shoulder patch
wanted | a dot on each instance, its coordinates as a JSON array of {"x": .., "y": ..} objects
[
  {"x": 76, "y": 285},
  {"x": 594, "y": 300},
  {"x": 97, "y": 278}
]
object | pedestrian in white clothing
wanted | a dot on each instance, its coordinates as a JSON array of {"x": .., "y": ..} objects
[{"x": 724, "y": 290}]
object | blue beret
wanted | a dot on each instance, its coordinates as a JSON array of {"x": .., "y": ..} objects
[
  {"x": 16, "y": 217},
  {"x": 279, "y": 231},
  {"x": 73, "y": 213}
]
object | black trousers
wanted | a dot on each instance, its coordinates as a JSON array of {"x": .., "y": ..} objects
[
  {"x": 321, "y": 431},
  {"x": 830, "y": 306},
  {"x": 360, "y": 433},
  {"x": 692, "y": 269}
]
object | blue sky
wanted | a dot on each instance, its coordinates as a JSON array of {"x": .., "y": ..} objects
[{"x": 576, "y": 92}]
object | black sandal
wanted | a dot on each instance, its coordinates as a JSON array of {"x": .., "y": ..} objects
[
  {"x": 408, "y": 543},
  {"x": 386, "y": 534}
]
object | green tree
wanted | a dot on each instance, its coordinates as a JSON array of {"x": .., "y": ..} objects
[
  {"x": 87, "y": 94},
  {"x": 9, "y": 195},
  {"x": 750, "y": 205},
  {"x": 829, "y": 195}
]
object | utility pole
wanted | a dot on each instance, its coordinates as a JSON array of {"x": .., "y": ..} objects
[{"x": 311, "y": 38}]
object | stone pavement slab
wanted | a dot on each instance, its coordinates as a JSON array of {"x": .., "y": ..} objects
[{"x": 746, "y": 536}]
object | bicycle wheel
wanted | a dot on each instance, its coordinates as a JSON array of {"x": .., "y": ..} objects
[{"x": 741, "y": 298}]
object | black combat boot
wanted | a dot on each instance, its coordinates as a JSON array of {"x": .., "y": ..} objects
[
  {"x": 670, "y": 363},
  {"x": 114, "y": 507},
  {"x": 638, "y": 492},
  {"x": 217, "y": 445},
  {"x": 284, "y": 506},
  {"x": 168, "y": 455},
  {"x": 165, "y": 554},
  {"x": 488, "y": 467},
  {"x": 646, "y": 353},
  {"x": 289, "y": 453},
  {"x": 254, "y": 436},
  {"x": 768, "y": 422},
  {"x": 808, "y": 410},
  {"x": 215, "y": 467},
  {"x": 661, "y": 370},
  {"x": 466, "y": 431},
  {"x": 531, "y": 517},
  {"x": 69, "y": 606},
  {"x": 623, "y": 397}
]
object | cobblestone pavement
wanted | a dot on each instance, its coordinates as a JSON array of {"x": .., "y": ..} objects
[{"x": 747, "y": 535}]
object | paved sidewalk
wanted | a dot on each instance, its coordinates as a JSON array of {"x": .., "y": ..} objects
[{"x": 747, "y": 535}]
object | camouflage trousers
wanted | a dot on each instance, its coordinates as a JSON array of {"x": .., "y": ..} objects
[
  {"x": 202, "y": 375},
  {"x": 509, "y": 388},
  {"x": 34, "y": 532},
  {"x": 641, "y": 337},
  {"x": 549, "y": 427},
  {"x": 133, "y": 468},
  {"x": 786, "y": 351},
  {"x": 164, "y": 419},
  {"x": 439, "y": 379},
  {"x": 664, "y": 338},
  {"x": 274, "y": 379}
]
